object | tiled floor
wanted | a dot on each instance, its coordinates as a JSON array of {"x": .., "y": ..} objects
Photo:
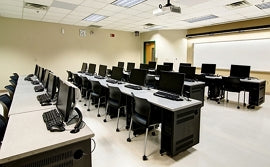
[{"x": 229, "y": 137}]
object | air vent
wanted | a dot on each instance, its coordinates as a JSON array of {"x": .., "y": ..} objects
[
  {"x": 238, "y": 4},
  {"x": 149, "y": 24},
  {"x": 202, "y": 18},
  {"x": 35, "y": 6},
  {"x": 262, "y": 6},
  {"x": 94, "y": 26}
]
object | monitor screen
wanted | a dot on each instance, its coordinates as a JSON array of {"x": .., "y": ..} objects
[
  {"x": 41, "y": 70},
  {"x": 65, "y": 100},
  {"x": 171, "y": 82},
  {"x": 185, "y": 64},
  {"x": 208, "y": 68},
  {"x": 51, "y": 85},
  {"x": 162, "y": 68},
  {"x": 102, "y": 70},
  {"x": 188, "y": 71},
  {"x": 84, "y": 67},
  {"x": 169, "y": 64},
  {"x": 117, "y": 73},
  {"x": 91, "y": 68},
  {"x": 144, "y": 66},
  {"x": 240, "y": 71},
  {"x": 137, "y": 76},
  {"x": 36, "y": 70},
  {"x": 45, "y": 79},
  {"x": 121, "y": 64},
  {"x": 152, "y": 64},
  {"x": 130, "y": 66}
]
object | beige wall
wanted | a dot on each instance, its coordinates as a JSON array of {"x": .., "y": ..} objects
[
  {"x": 26, "y": 43},
  {"x": 171, "y": 46}
]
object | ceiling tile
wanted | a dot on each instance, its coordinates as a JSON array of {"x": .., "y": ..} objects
[
  {"x": 93, "y": 4},
  {"x": 76, "y": 2}
]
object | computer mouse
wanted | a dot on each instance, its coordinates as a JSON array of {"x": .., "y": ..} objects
[
  {"x": 57, "y": 129},
  {"x": 45, "y": 104}
]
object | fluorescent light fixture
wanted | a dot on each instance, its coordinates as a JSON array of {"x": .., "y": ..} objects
[
  {"x": 95, "y": 18},
  {"x": 202, "y": 18},
  {"x": 151, "y": 26},
  {"x": 127, "y": 3},
  {"x": 63, "y": 5},
  {"x": 265, "y": 5}
]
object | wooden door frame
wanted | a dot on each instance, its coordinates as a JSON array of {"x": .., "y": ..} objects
[{"x": 144, "y": 49}]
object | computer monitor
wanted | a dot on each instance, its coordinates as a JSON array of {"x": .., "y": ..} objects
[
  {"x": 144, "y": 66},
  {"x": 185, "y": 64},
  {"x": 45, "y": 79},
  {"x": 65, "y": 100},
  {"x": 241, "y": 71},
  {"x": 169, "y": 64},
  {"x": 117, "y": 73},
  {"x": 208, "y": 69},
  {"x": 51, "y": 89},
  {"x": 41, "y": 70},
  {"x": 188, "y": 71},
  {"x": 152, "y": 65},
  {"x": 162, "y": 68},
  {"x": 130, "y": 66},
  {"x": 137, "y": 76},
  {"x": 120, "y": 64},
  {"x": 36, "y": 70},
  {"x": 102, "y": 70},
  {"x": 171, "y": 82},
  {"x": 84, "y": 67},
  {"x": 91, "y": 68}
]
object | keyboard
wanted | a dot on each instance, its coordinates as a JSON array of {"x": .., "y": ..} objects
[
  {"x": 135, "y": 87},
  {"x": 35, "y": 82},
  {"x": 89, "y": 74},
  {"x": 112, "y": 81},
  {"x": 43, "y": 98},
  {"x": 189, "y": 80},
  {"x": 39, "y": 88},
  {"x": 168, "y": 96},
  {"x": 99, "y": 77},
  {"x": 52, "y": 118}
]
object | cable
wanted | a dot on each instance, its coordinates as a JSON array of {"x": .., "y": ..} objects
[{"x": 94, "y": 145}]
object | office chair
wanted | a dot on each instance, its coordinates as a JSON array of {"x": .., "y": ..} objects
[
  {"x": 232, "y": 84},
  {"x": 86, "y": 87},
  {"x": 142, "y": 116},
  {"x": 97, "y": 93},
  {"x": 77, "y": 81},
  {"x": 5, "y": 101},
  {"x": 14, "y": 78},
  {"x": 3, "y": 126},
  {"x": 13, "y": 83},
  {"x": 152, "y": 65},
  {"x": 16, "y": 75},
  {"x": 70, "y": 76},
  {"x": 11, "y": 90},
  {"x": 115, "y": 100}
]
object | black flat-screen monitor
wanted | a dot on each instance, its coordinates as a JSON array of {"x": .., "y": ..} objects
[
  {"x": 65, "y": 100},
  {"x": 144, "y": 66},
  {"x": 171, "y": 82},
  {"x": 130, "y": 66},
  {"x": 41, "y": 71},
  {"x": 91, "y": 68},
  {"x": 185, "y": 64},
  {"x": 45, "y": 79},
  {"x": 162, "y": 68},
  {"x": 208, "y": 69},
  {"x": 117, "y": 73},
  {"x": 51, "y": 89},
  {"x": 121, "y": 64},
  {"x": 152, "y": 65},
  {"x": 188, "y": 71},
  {"x": 137, "y": 76},
  {"x": 36, "y": 70},
  {"x": 169, "y": 64},
  {"x": 84, "y": 67},
  {"x": 102, "y": 70},
  {"x": 241, "y": 71}
]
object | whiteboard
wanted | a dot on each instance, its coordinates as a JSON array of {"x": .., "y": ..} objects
[{"x": 255, "y": 53}]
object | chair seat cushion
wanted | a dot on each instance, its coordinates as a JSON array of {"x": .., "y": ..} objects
[
  {"x": 93, "y": 94},
  {"x": 139, "y": 119},
  {"x": 113, "y": 103}
]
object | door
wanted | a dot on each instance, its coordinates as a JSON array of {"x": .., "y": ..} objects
[{"x": 149, "y": 51}]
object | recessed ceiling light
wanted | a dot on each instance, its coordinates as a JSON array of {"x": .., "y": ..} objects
[
  {"x": 63, "y": 5},
  {"x": 196, "y": 19},
  {"x": 127, "y": 3},
  {"x": 95, "y": 18},
  {"x": 265, "y": 5}
]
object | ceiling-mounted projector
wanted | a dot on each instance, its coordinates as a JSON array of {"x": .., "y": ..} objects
[{"x": 166, "y": 9}]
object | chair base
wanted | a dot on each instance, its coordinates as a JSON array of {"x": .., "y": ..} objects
[
  {"x": 85, "y": 105},
  {"x": 117, "y": 130},
  {"x": 145, "y": 158},
  {"x": 128, "y": 140},
  {"x": 104, "y": 120},
  {"x": 88, "y": 109},
  {"x": 98, "y": 115}
]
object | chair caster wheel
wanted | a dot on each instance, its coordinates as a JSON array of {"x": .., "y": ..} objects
[
  {"x": 98, "y": 115},
  {"x": 144, "y": 158},
  {"x": 227, "y": 101},
  {"x": 117, "y": 130},
  {"x": 80, "y": 101},
  {"x": 88, "y": 109},
  {"x": 104, "y": 120},
  {"x": 85, "y": 105},
  {"x": 218, "y": 102},
  {"x": 128, "y": 140},
  {"x": 238, "y": 107},
  {"x": 127, "y": 127},
  {"x": 245, "y": 104},
  {"x": 153, "y": 133}
]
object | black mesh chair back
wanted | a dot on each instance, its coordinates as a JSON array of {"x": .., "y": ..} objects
[
  {"x": 96, "y": 88},
  {"x": 97, "y": 92},
  {"x": 86, "y": 87},
  {"x": 16, "y": 75},
  {"x": 6, "y": 100},
  {"x": 14, "y": 78},
  {"x": 11, "y": 90},
  {"x": 144, "y": 66},
  {"x": 70, "y": 76},
  {"x": 77, "y": 81},
  {"x": 13, "y": 83},
  {"x": 142, "y": 110},
  {"x": 3, "y": 126},
  {"x": 232, "y": 84}
]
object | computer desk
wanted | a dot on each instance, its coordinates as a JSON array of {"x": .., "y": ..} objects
[
  {"x": 27, "y": 142},
  {"x": 180, "y": 119}
]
